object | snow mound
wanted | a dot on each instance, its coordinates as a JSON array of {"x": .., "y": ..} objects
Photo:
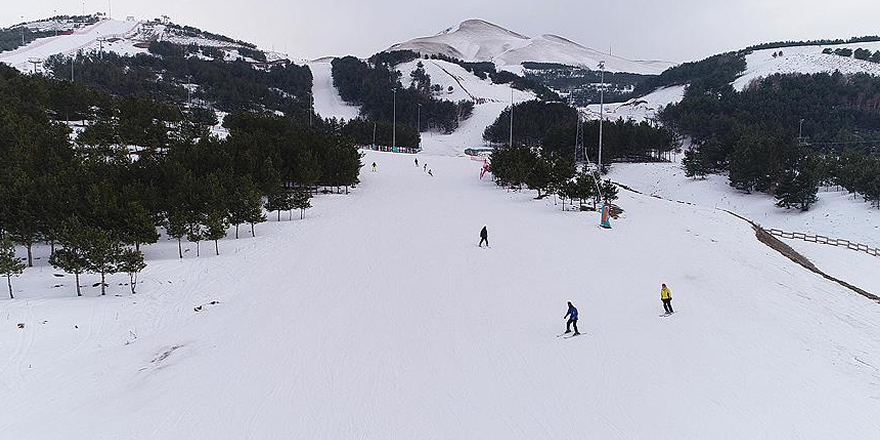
[{"x": 479, "y": 40}]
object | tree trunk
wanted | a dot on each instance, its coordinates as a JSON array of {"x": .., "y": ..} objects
[
  {"x": 133, "y": 278},
  {"x": 290, "y": 215},
  {"x": 9, "y": 283},
  {"x": 137, "y": 246},
  {"x": 279, "y": 215},
  {"x": 103, "y": 284},
  {"x": 236, "y": 231},
  {"x": 198, "y": 249},
  {"x": 30, "y": 254},
  {"x": 78, "y": 290},
  {"x": 253, "y": 234},
  {"x": 302, "y": 212},
  {"x": 216, "y": 247},
  {"x": 179, "y": 248},
  {"x": 52, "y": 246}
]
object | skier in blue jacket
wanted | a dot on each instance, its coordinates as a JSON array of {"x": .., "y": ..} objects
[{"x": 572, "y": 315}]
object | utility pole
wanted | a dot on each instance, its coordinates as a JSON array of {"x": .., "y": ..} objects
[
  {"x": 801, "y": 133},
  {"x": 394, "y": 119},
  {"x": 510, "y": 142},
  {"x": 601, "y": 111}
]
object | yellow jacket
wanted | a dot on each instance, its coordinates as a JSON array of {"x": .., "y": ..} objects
[{"x": 665, "y": 293}]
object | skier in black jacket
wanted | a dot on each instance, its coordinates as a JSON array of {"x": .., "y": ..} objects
[{"x": 484, "y": 237}]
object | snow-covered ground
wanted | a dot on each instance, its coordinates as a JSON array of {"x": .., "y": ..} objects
[
  {"x": 86, "y": 38},
  {"x": 857, "y": 268},
  {"x": 805, "y": 59},
  {"x": 378, "y": 317},
  {"x": 327, "y": 101},
  {"x": 836, "y": 214},
  {"x": 644, "y": 108}
]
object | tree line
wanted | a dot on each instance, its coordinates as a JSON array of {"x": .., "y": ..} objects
[
  {"x": 548, "y": 173},
  {"x": 142, "y": 166},
  {"x": 552, "y": 127}
]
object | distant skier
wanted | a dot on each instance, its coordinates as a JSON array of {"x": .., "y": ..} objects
[
  {"x": 374, "y": 167},
  {"x": 425, "y": 168},
  {"x": 416, "y": 161},
  {"x": 430, "y": 173},
  {"x": 484, "y": 236},
  {"x": 572, "y": 315},
  {"x": 666, "y": 297}
]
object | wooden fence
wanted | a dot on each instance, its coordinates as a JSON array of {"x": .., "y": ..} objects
[{"x": 825, "y": 240}]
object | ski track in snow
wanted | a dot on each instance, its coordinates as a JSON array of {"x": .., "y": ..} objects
[
  {"x": 327, "y": 101},
  {"x": 376, "y": 317}
]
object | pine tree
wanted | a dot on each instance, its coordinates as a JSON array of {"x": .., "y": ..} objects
[
  {"x": 71, "y": 257},
  {"x": 215, "y": 228},
  {"x": 540, "y": 175},
  {"x": 102, "y": 254},
  {"x": 279, "y": 200},
  {"x": 798, "y": 185},
  {"x": 694, "y": 165},
  {"x": 10, "y": 264},
  {"x": 175, "y": 226},
  {"x": 609, "y": 191},
  {"x": 131, "y": 261},
  {"x": 301, "y": 201},
  {"x": 245, "y": 205}
]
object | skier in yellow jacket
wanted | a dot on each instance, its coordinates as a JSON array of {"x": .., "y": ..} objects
[{"x": 666, "y": 298}]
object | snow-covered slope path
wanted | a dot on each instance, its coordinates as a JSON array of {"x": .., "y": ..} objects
[
  {"x": 382, "y": 319},
  {"x": 327, "y": 101}
]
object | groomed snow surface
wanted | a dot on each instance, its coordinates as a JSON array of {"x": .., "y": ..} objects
[
  {"x": 327, "y": 101},
  {"x": 378, "y": 317}
]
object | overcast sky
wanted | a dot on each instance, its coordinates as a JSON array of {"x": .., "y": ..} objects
[{"x": 675, "y": 30}]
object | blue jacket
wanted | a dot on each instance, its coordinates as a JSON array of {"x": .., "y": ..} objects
[{"x": 573, "y": 312}]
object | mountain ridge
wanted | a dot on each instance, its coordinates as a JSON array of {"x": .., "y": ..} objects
[{"x": 484, "y": 41}]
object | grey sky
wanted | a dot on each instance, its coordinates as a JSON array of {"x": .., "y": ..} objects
[{"x": 678, "y": 30}]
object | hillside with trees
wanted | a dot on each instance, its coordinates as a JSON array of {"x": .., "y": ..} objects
[
  {"x": 754, "y": 135},
  {"x": 378, "y": 90},
  {"x": 142, "y": 165}
]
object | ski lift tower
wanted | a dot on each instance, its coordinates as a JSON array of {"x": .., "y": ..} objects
[{"x": 36, "y": 62}]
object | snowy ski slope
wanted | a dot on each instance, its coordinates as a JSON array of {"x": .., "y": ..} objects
[
  {"x": 84, "y": 39},
  {"x": 378, "y": 317},
  {"x": 327, "y": 101}
]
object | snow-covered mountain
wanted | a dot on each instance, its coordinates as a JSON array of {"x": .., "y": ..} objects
[
  {"x": 128, "y": 37},
  {"x": 479, "y": 40}
]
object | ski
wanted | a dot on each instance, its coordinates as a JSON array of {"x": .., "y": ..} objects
[{"x": 573, "y": 335}]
